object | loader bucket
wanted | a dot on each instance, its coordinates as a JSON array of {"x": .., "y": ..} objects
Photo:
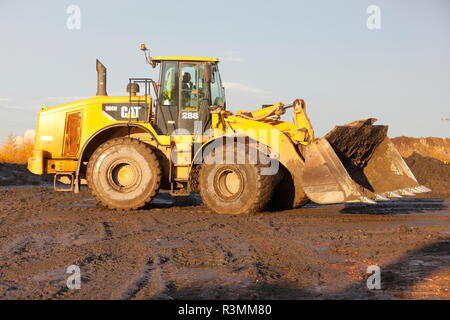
[{"x": 356, "y": 162}]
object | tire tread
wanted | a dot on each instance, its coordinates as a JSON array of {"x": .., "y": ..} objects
[{"x": 154, "y": 163}]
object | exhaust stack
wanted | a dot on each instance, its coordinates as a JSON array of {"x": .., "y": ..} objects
[{"x": 101, "y": 79}]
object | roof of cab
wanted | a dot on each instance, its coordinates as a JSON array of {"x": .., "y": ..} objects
[{"x": 166, "y": 58}]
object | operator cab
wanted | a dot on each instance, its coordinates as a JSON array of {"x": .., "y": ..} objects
[{"x": 188, "y": 88}]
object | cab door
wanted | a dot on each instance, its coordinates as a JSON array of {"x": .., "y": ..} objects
[
  {"x": 194, "y": 98},
  {"x": 168, "y": 100},
  {"x": 184, "y": 98}
]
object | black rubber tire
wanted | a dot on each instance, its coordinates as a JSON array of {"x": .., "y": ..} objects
[
  {"x": 254, "y": 188},
  {"x": 103, "y": 178},
  {"x": 283, "y": 195}
]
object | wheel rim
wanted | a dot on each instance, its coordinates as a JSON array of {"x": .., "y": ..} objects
[
  {"x": 124, "y": 175},
  {"x": 228, "y": 183}
]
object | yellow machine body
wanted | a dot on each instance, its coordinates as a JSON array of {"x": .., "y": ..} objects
[{"x": 323, "y": 170}]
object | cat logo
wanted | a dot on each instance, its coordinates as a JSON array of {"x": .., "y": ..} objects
[
  {"x": 125, "y": 111},
  {"x": 129, "y": 112}
]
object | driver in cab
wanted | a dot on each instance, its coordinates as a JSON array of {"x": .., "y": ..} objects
[{"x": 187, "y": 89}]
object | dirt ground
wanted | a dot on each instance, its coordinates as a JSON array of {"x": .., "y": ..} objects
[
  {"x": 178, "y": 249},
  {"x": 12, "y": 174}
]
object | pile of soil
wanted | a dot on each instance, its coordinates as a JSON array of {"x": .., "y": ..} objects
[
  {"x": 12, "y": 174},
  {"x": 438, "y": 148},
  {"x": 432, "y": 173}
]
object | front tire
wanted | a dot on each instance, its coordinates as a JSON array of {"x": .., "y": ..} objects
[
  {"x": 124, "y": 174},
  {"x": 235, "y": 188},
  {"x": 284, "y": 195}
]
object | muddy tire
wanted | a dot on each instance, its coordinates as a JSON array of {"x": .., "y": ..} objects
[
  {"x": 235, "y": 188},
  {"x": 124, "y": 174}
]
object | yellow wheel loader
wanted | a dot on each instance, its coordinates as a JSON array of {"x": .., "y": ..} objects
[{"x": 177, "y": 134}]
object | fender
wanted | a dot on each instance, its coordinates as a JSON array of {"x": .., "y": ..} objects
[
  {"x": 115, "y": 125},
  {"x": 284, "y": 151},
  {"x": 197, "y": 159}
]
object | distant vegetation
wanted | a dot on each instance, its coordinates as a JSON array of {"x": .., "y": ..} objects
[{"x": 16, "y": 150}]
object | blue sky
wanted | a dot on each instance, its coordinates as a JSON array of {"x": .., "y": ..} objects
[{"x": 321, "y": 51}]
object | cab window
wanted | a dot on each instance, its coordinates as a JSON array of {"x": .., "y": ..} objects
[
  {"x": 193, "y": 85},
  {"x": 169, "y": 84},
  {"x": 217, "y": 91}
]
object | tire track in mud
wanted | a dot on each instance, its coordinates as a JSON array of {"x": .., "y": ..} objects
[
  {"x": 108, "y": 234},
  {"x": 188, "y": 252},
  {"x": 61, "y": 293},
  {"x": 111, "y": 240},
  {"x": 64, "y": 292},
  {"x": 149, "y": 283},
  {"x": 160, "y": 226},
  {"x": 157, "y": 228},
  {"x": 140, "y": 283}
]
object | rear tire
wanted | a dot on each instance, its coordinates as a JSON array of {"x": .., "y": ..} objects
[
  {"x": 124, "y": 174},
  {"x": 235, "y": 188}
]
